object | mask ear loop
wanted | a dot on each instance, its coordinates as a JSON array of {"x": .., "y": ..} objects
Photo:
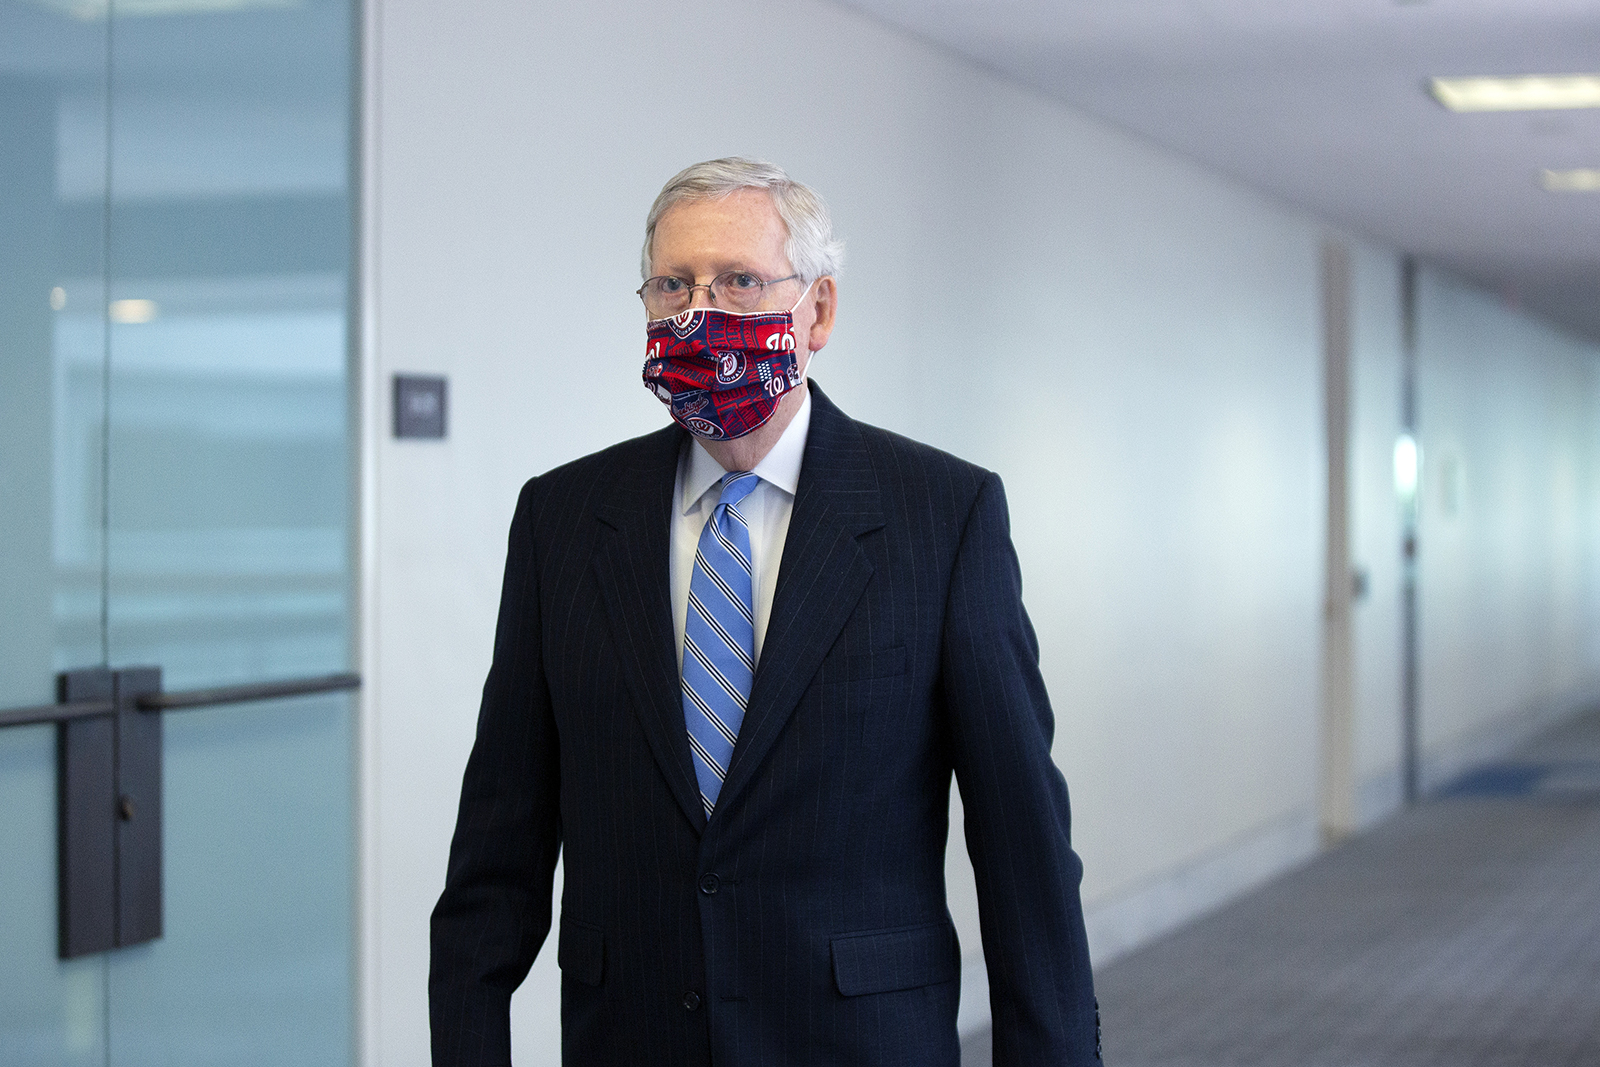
[
  {"x": 809, "y": 351},
  {"x": 803, "y": 293}
]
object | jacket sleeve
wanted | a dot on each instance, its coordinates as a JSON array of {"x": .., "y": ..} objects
[
  {"x": 1018, "y": 825},
  {"x": 495, "y": 910}
]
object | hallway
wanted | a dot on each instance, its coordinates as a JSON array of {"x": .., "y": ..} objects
[{"x": 1465, "y": 932}]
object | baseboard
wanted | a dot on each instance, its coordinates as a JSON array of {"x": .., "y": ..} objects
[
  {"x": 1499, "y": 737},
  {"x": 1378, "y": 796},
  {"x": 974, "y": 1018},
  {"x": 1133, "y": 919},
  {"x": 1118, "y": 927},
  {"x": 977, "y": 1048}
]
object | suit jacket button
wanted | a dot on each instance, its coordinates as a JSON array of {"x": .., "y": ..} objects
[
  {"x": 710, "y": 884},
  {"x": 691, "y": 1000}
]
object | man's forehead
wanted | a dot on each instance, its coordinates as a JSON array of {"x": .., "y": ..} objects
[
  {"x": 744, "y": 225},
  {"x": 750, "y": 207}
]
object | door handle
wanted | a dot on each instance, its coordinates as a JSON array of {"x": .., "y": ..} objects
[
  {"x": 63, "y": 712},
  {"x": 108, "y": 793},
  {"x": 182, "y": 700}
]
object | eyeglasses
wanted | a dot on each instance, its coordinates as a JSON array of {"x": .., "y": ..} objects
[{"x": 732, "y": 290}]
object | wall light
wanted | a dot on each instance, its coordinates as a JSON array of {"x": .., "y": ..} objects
[
  {"x": 1578, "y": 180},
  {"x": 133, "y": 312},
  {"x": 1407, "y": 467},
  {"x": 1532, "y": 92}
]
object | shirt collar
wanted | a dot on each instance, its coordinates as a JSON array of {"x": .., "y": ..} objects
[{"x": 780, "y": 467}]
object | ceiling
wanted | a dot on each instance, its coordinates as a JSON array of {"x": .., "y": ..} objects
[{"x": 1323, "y": 104}]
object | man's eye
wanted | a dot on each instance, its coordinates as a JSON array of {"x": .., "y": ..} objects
[
  {"x": 670, "y": 285},
  {"x": 740, "y": 280}
]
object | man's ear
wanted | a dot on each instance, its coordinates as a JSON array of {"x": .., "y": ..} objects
[{"x": 824, "y": 300}]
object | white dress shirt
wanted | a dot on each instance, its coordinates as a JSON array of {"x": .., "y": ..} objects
[{"x": 766, "y": 510}]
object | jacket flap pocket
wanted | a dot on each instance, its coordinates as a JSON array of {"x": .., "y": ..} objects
[
  {"x": 581, "y": 952},
  {"x": 906, "y": 958}
]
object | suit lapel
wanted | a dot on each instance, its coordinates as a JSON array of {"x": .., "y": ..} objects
[
  {"x": 822, "y": 575},
  {"x": 631, "y": 564}
]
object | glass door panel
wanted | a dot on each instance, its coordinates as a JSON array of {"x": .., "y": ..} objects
[
  {"x": 53, "y": 113},
  {"x": 175, "y": 460},
  {"x": 254, "y": 965}
]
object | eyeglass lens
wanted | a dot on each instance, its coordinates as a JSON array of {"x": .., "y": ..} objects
[{"x": 733, "y": 290}]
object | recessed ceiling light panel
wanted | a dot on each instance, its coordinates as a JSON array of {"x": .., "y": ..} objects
[
  {"x": 1532, "y": 92},
  {"x": 1580, "y": 180}
]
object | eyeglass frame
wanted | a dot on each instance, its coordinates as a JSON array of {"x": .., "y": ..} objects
[{"x": 709, "y": 286}]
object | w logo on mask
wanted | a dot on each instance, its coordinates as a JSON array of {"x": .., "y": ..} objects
[
  {"x": 686, "y": 322},
  {"x": 781, "y": 342}
]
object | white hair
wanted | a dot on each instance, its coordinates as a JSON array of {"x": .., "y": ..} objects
[{"x": 812, "y": 249}]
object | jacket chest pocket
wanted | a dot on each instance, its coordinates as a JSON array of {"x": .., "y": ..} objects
[{"x": 867, "y": 691}]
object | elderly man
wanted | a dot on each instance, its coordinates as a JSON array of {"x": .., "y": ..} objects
[{"x": 737, "y": 663}]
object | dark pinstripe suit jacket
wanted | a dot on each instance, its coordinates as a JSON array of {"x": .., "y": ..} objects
[{"x": 805, "y": 922}]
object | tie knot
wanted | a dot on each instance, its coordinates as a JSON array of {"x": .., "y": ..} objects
[{"x": 736, "y": 485}]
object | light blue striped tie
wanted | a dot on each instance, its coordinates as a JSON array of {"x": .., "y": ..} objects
[{"x": 719, "y": 637}]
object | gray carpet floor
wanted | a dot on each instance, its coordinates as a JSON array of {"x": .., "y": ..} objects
[{"x": 1464, "y": 932}]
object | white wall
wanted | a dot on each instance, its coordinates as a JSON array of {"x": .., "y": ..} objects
[
  {"x": 1131, "y": 342},
  {"x": 1508, "y": 530}
]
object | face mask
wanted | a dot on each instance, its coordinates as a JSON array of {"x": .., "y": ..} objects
[{"x": 722, "y": 373}]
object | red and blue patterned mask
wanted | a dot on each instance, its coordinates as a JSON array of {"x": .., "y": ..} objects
[{"x": 721, "y": 373}]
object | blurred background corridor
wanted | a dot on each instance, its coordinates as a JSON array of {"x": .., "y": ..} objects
[
  {"x": 1462, "y": 931},
  {"x": 1281, "y": 322}
]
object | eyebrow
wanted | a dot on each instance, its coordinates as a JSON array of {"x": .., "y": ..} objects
[{"x": 718, "y": 273}]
